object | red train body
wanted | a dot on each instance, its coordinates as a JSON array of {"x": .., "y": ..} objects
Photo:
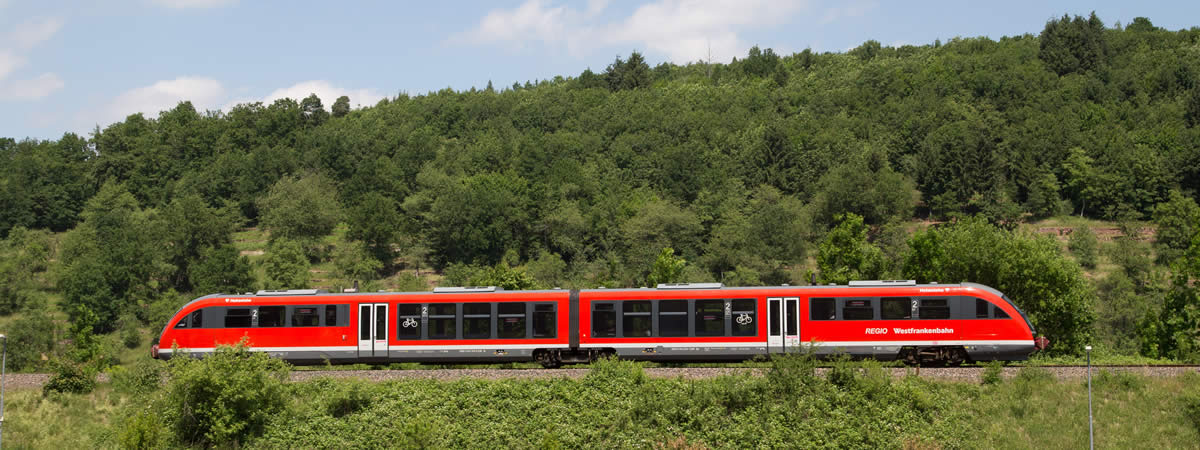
[{"x": 686, "y": 322}]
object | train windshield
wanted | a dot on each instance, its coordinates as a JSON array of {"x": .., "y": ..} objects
[{"x": 1023, "y": 316}]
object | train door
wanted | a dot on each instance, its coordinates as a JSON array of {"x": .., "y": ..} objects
[
  {"x": 783, "y": 324},
  {"x": 372, "y": 330}
]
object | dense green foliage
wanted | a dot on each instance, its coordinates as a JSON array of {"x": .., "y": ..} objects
[
  {"x": 224, "y": 398},
  {"x": 745, "y": 170}
]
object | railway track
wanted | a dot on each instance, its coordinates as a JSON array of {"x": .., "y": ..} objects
[{"x": 964, "y": 374}]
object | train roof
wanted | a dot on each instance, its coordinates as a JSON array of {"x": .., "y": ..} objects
[{"x": 300, "y": 293}]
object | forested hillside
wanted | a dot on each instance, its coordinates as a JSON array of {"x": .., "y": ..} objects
[{"x": 769, "y": 169}]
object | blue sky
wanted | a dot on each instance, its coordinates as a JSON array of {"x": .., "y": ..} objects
[{"x": 70, "y": 66}]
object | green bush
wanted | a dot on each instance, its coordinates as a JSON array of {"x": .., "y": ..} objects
[
  {"x": 141, "y": 377},
  {"x": 142, "y": 430},
  {"x": 348, "y": 397},
  {"x": 32, "y": 340},
  {"x": 224, "y": 398},
  {"x": 70, "y": 378},
  {"x": 1083, "y": 245},
  {"x": 993, "y": 374},
  {"x": 614, "y": 370}
]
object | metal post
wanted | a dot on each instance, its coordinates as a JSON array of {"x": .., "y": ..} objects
[
  {"x": 3, "y": 363},
  {"x": 1091, "y": 427}
]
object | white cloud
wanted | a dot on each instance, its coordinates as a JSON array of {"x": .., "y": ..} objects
[
  {"x": 26, "y": 35},
  {"x": 13, "y": 46},
  {"x": 182, "y": 4},
  {"x": 682, "y": 30},
  {"x": 204, "y": 93},
  {"x": 685, "y": 30},
  {"x": 324, "y": 89},
  {"x": 32, "y": 89},
  {"x": 9, "y": 62}
]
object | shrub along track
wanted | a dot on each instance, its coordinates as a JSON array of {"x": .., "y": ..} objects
[{"x": 967, "y": 374}]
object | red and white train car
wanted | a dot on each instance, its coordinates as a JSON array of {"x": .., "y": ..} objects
[{"x": 677, "y": 322}]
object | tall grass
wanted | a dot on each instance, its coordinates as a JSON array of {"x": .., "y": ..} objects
[{"x": 617, "y": 405}]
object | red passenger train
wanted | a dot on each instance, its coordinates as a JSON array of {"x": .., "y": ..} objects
[{"x": 674, "y": 322}]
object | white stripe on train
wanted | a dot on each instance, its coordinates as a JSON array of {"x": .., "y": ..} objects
[{"x": 848, "y": 344}]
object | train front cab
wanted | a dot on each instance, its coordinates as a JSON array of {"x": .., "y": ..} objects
[{"x": 918, "y": 324}]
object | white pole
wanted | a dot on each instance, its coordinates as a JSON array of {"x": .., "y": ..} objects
[
  {"x": 1091, "y": 427},
  {"x": 3, "y": 363}
]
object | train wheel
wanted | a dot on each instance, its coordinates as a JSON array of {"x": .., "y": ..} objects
[
  {"x": 955, "y": 357},
  {"x": 548, "y": 359}
]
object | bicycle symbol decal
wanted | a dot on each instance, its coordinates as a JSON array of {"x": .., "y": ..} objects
[
  {"x": 744, "y": 319},
  {"x": 409, "y": 323}
]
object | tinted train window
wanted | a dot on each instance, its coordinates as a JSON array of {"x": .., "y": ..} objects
[
  {"x": 408, "y": 321},
  {"x": 858, "y": 310},
  {"x": 237, "y": 317},
  {"x": 604, "y": 320},
  {"x": 511, "y": 321},
  {"x": 710, "y": 317},
  {"x": 935, "y": 308},
  {"x": 745, "y": 321},
  {"x": 818, "y": 309},
  {"x": 543, "y": 321},
  {"x": 305, "y": 316},
  {"x": 331, "y": 316},
  {"x": 792, "y": 311},
  {"x": 981, "y": 308},
  {"x": 442, "y": 320},
  {"x": 182, "y": 323},
  {"x": 672, "y": 318},
  {"x": 773, "y": 304},
  {"x": 197, "y": 319},
  {"x": 270, "y": 316},
  {"x": 477, "y": 320},
  {"x": 998, "y": 313},
  {"x": 894, "y": 308},
  {"x": 636, "y": 319}
]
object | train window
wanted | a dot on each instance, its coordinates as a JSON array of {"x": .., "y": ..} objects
[
  {"x": 636, "y": 318},
  {"x": 237, "y": 317},
  {"x": 408, "y": 321},
  {"x": 998, "y": 313},
  {"x": 511, "y": 321},
  {"x": 672, "y": 318},
  {"x": 182, "y": 323},
  {"x": 197, "y": 319},
  {"x": 543, "y": 321},
  {"x": 604, "y": 320},
  {"x": 270, "y": 316},
  {"x": 364, "y": 321},
  {"x": 710, "y": 317},
  {"x": 774, "y": 315},
  {"x": 380, "y": 322},
  {"x": 792, "y": 311},
  {"x": 331, "y": 315},
  {"x": 745, "y": 321},
  {"x": 981, "y": 308},
  {"x": 935, "y": 308},
  {"x": 442, "y": 321},
  {"x": 818, "y": 309},
  {"x": 477, "y": 320},
  {"x": 305, "y": 316},
  {"x": 893, "y": 308},
  {"x": 858, "y": 310}
]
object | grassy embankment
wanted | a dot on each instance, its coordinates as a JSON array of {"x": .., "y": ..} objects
[{"x": 616, "y": 405}]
